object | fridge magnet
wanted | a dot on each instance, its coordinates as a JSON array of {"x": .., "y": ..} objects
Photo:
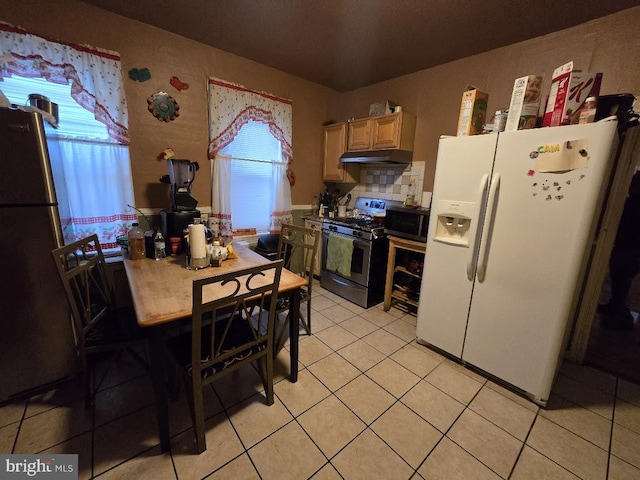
[
  {"x": 177, "y": 84},
  {"x": 163, "y": 107},
  {"x": 549, "y": 197},
  {"x": 559, "y": 197},
  {"x": 531, "y": 173},
  {"x": 568, "y": 182},
  {"x": 581, "y": 177}
]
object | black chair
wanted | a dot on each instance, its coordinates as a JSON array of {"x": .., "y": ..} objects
[
  {"x": 298, "y": 247},
  {"x": 233, "y": 324},
  {"x": 98, "y": 326}
]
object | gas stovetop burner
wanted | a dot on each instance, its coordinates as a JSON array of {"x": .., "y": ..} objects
[{"x": 362, "y": 224}]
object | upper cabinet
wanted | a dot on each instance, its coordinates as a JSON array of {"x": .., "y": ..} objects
[
  {"x": 394, "y": 131},
  {"x": 335, "y": 144}
]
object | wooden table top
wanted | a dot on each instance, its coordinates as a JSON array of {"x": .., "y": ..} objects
[{"x": 162, "y": 289}]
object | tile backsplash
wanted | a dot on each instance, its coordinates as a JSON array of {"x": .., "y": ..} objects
[{"x": 390, "y": 183}]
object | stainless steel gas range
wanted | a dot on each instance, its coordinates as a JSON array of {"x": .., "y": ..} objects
[{"x": 362, "y": 276}]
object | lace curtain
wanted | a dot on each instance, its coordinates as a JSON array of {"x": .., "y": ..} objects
[
  {"x": 92, "y": 179},
  {"x": 231, "y": 106},
  {"x": 93, "y": 186},
  {"x": 95, "y": 75}
]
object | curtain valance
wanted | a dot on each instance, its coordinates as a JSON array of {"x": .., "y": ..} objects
[
  {"x": 95, "y": 75},
  {"x": 231, "y": 106}
]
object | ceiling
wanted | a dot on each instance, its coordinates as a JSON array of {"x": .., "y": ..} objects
[{"x": 347, "y": 44}]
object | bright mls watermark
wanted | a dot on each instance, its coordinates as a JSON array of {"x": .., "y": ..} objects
[{"x": 50, "y": 467}]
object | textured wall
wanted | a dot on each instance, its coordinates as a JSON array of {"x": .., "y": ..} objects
[
  {"x": 166, "y": 55},
  {"x": 608, "y": 45}
]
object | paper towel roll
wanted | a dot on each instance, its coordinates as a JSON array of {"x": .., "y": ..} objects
[
  {"x": 426, "y": 199},
  {"x": 197, "y": 241}
]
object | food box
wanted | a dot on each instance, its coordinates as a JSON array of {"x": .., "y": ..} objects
[
  {"x": 569, "y": 89},
  {"x": 525, "y": 103},
  {"x": 382, "y": 108},
  {"x": 473, "y": 111}
]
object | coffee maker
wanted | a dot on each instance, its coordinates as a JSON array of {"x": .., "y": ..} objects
[{"x": 182, "y": 173}]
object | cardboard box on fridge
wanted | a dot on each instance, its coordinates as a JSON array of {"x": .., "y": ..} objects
[
  {"x": 473, "y": 111},
  {"x": 525, "y": 103},
  {"x": 569, "y": 89}
]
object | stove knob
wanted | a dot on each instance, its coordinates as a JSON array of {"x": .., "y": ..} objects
[{"x": 357, "y": 233}]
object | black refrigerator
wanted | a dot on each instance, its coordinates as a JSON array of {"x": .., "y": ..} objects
[{"x": 36, "y": 335}]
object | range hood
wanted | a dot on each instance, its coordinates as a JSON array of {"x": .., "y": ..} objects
[{"x": 379, "y": 157}]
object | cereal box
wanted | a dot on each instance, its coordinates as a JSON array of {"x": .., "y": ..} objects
[
  {"x": 473, "y": 111},
  {"x": 525, "y": 103},
  {"x": 569, "y": 89}
]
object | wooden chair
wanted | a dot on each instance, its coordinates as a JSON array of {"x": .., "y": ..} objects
[
  {"x": 225, "y": 335},
  {"x": 98, "y": 326},
  {"x": 298, "y": 247}
]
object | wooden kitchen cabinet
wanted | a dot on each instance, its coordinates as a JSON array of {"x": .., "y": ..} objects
[
  {"x": 335, "y": 144},
  {"x": 394, "y": 131},
  {"x": 315, "y": 225},
  {"x": 404, "y": 271},
  {"x": 359, "y": 137}
]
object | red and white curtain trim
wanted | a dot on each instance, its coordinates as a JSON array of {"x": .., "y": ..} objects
[
  {"x": 232, "y": 106},
  {"x": 95, "y": 75}
]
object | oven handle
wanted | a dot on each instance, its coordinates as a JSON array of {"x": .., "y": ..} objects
[{"x": 356, "y": 241}]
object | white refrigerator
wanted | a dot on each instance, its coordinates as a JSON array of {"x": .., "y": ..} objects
[{"x": 511, "y": 219}]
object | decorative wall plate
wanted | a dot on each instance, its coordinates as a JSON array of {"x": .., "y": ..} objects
[{"x": 163, "y": 106}]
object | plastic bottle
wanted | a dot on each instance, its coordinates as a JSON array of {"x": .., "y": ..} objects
[
  {"x": 159, "y": 246},
  {"x": 588, "y": 111},
  {"x": 411, "y": 194},
  {"x": 136, "y": 242}
]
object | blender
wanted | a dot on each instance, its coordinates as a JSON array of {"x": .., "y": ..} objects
[{"x": 175, "y": 220}]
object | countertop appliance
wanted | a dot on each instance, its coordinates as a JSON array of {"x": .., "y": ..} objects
[
  {"x": 513, "y": 218},
  {"x": 36, "y": 336},
  {"x": 407, "y": 222},
  {"x": 183, "y": 211},
  {"x": 364, "y": 284}
]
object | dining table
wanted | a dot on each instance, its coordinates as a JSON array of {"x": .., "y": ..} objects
[{"x": 161, "y": 292}]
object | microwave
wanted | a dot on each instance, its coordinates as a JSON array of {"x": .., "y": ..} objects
[{"x": 407, "y": 222}]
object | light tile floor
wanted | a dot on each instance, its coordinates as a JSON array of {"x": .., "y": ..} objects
[{"x": 369, "y": 403}]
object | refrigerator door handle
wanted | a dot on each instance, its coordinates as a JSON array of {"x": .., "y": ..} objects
[
  {"x": 473, "y": 253},
  {"x": 482, "y": 258}
]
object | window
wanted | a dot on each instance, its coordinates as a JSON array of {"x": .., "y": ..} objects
[
  {"x": 255, "y": 156},
  {"x": 92, "y": 173}
]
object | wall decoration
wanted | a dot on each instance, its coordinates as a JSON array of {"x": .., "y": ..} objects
[
  {"x": 177, "y": 84},
  {"x": 166, "y": 154},
  {"x": 163, "y": 107},
  {"x": 291, "y": 177},
  {"x": 139, "y": 74}
]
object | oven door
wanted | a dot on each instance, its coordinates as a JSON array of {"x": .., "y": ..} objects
[{"x": 360, "y": 260}]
